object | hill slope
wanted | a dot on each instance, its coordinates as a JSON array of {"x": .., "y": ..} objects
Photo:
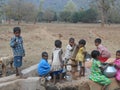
[{"x": 58, "y": 5}]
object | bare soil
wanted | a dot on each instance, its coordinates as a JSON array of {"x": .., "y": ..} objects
[{"x": 41, "y": 37}]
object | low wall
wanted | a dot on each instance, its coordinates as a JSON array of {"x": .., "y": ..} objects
[{"x": 31, "y": 81}]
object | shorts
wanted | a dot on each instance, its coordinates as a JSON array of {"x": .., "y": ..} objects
[
  {"x": 57, "y": 72},
  {"x": 18, "y": 61},
  {"x": 82, "y": 64}
]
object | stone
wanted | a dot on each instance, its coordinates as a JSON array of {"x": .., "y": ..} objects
[{"x": 30, "y": 71}]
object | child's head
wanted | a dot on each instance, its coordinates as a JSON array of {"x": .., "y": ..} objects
[
  {"x": 17, "y": 31},
  {"x": 97, "y": 41},
  {"x": 45, "y": 55},
  {"x": 58, "y": 43},
  {"x": 118, "y": 54},
  {"x": 95, "y": 54},
  {"x": 71, "y": 41},
  {"x": 82, "y": 43}
]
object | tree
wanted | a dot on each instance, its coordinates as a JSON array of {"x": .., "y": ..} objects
[
  {"x": 48, "y": 15},
  {"x": 2, "y": 3},
  {"x": 20, "y": 10},
  {"x": 104, "y": 6},
  {"x": 75, "y": 17},
  {"x": 70, "y": 6},
  {"x": 31, "y": 14},
  {"x": 114, "y": 13},
  {"x": 65, "y": 16},
  {"x": 89, "y": 16},
  {"x": 40, "y": 12}
]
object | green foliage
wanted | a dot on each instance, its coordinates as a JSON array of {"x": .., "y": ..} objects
[
  {"x": 2, "y": 3},
  {"x": 65, "y": 16},
  {"x": 89, "y": 15},
  {"x": 20, "y": 10},
  {"x": 70, "y": 6},
  {"x": 75, "y": 17},
  {"x": 86, "y": 16},
  {"x": 49, "y": 15}
]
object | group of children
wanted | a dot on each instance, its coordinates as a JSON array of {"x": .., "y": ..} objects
[{"x": 100, "y": 55}]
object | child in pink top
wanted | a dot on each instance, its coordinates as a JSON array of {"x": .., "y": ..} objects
[
  {"x": 117, "y": 64},
  {"x": 104, "y": 53}
]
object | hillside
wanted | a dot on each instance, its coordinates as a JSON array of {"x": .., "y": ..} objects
[{"x": 58, "y": 5}]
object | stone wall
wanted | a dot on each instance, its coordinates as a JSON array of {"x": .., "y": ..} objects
[{"x": 30, "y": 81}]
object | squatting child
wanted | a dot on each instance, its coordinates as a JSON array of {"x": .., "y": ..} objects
[
  {"x": 96, "y": 73},
  {"x": 104, "y": 53},
  {"x": 43, "y": 66}
]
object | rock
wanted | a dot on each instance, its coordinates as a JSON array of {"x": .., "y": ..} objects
[{"x": 31, "y": 83}]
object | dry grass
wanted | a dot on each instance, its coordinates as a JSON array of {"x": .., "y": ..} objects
[{"x": 40, "y": 37}]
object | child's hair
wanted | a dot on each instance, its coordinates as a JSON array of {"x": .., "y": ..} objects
[
  {"x": 71, "y": 39},
  {"x": 82, "y": 41},
  {"x": 58, "y": 43},
  {"x": 44, "y": 54},
  {"x": 98, "y": 40},
  {"x": 118, "y": 51},
  {"x": 16, "y": 29},
  {"x": 95, "y": 54}
]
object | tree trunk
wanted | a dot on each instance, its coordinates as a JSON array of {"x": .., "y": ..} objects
[
  {"x": 9, "y": 21},
  {"x": 102, "y": 13},
  {"x": 102, "y": 18}
]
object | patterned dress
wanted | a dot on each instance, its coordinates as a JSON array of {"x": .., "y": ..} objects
[
  {"x": 96, "y": 74},
  {"x": 117, "y": 63},
  {"x": 56, "y": 63}
]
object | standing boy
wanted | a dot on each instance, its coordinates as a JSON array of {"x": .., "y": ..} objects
[
  {"x": 69, "y": 50},
  {"x": 16, "y": 44}
]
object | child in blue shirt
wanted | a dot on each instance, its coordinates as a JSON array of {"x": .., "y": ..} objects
[
  {"x": 16, "y": 44},
  {"x": 43, "y": 66}
]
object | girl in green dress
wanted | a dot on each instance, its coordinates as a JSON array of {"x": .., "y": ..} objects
[{"x": 96, "y": 74}]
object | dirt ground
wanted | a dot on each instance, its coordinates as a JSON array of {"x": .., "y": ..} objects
[{"x": 41, "y": 37}]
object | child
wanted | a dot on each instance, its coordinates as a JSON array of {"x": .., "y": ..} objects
[
  {"x": 16, "y": 44},
  {"x": 69, "y": 50},
  {"x": 57, "y": 63},
  {"x": 43, "y": 66},
  {"x": 117, "y": 64},
  {"x": 96, "y": 74},
  {"x": 104, "y": 53},
  {"x": 80, "y": 57}
]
